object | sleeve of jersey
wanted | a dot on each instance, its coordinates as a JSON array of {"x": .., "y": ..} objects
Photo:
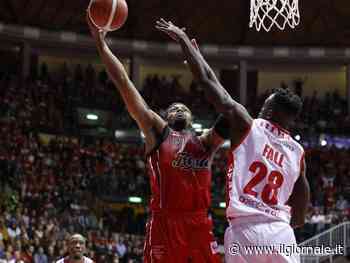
[{"x": 222, "y": 127}]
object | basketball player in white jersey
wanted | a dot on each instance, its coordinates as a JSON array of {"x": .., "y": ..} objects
[
  {"x": 267, "y": 190},
  {"x": 76, "y": 250}
]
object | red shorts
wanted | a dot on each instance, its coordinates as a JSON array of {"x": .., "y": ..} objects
[{"x": 175, "y": 238}]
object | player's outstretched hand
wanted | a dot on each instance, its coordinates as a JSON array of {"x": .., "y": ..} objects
[
  {"x": 170, "y": 29},
  {"x": 97, "y": 33}
]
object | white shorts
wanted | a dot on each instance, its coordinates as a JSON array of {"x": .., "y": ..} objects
[{"x": 253, "y": 240}]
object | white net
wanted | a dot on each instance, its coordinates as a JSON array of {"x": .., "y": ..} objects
[{"x": 267, "y": 13}]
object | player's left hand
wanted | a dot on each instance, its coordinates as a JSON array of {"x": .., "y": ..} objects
[{"x": 170, "y": 29}]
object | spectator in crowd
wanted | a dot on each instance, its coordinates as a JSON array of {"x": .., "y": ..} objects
[
  {"x": 40, "y": 256},
  {"x": 319, "y": 220}
]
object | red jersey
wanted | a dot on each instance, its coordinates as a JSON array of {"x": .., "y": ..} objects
[{"x": 180, "y": 174}]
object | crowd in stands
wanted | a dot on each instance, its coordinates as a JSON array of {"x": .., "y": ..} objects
[
  {"x": 59, "y": 93},
  {"x": 329, "y": 178},
  {"x": 49, "y": 184},
  {"x": 26, "y": 236},
  {"x": 46, "y": 194}
]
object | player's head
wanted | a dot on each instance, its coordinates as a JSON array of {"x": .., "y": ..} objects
[
  {"x": 76, "y": 246},
  {"x": 178, "y": 116},
  {"x": 282, "y": 106}
]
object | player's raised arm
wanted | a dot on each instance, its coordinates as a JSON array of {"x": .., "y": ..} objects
[
  {"x": 147, "y": 120},
  {"x": 300, "y": 198},
  {"x": 214, "y": 91}
]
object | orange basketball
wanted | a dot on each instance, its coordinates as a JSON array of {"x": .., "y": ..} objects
[{"x": 108, "y": 15}]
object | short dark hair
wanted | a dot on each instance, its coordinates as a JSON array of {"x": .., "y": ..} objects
[{"x": 287, "y": 101}]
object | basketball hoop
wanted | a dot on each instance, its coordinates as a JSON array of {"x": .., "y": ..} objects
[{"x": 267, "y": 13}]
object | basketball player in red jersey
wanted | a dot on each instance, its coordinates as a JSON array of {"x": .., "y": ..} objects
[
  {"x": 179, "y": 166},
  {"x": 267, "y": 189},
  {"x": 76, "y": 247}
]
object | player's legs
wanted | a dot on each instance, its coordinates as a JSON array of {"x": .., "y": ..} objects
[
  {"x": 165, "y": 242},
  {"x": 268, "y": 238},
  {"x": 204, "y": 248},
  {"x": 205, "y": 255},
  {"x": 174, "y": 239}
]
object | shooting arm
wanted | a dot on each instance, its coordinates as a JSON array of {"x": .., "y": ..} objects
[{"x": 146, "y": 119}]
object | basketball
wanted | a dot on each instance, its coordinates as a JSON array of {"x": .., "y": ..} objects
[{"x": 108, "y": 15}]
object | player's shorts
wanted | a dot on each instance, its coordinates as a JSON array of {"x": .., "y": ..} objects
[
  {"x": 253, "y": 239},
  {"x": 180, "y": 238}
]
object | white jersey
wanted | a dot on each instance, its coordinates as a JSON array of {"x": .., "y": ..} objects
[
  {"x": 262, "y": 171},
  {"x": 66, "y": 260}
]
